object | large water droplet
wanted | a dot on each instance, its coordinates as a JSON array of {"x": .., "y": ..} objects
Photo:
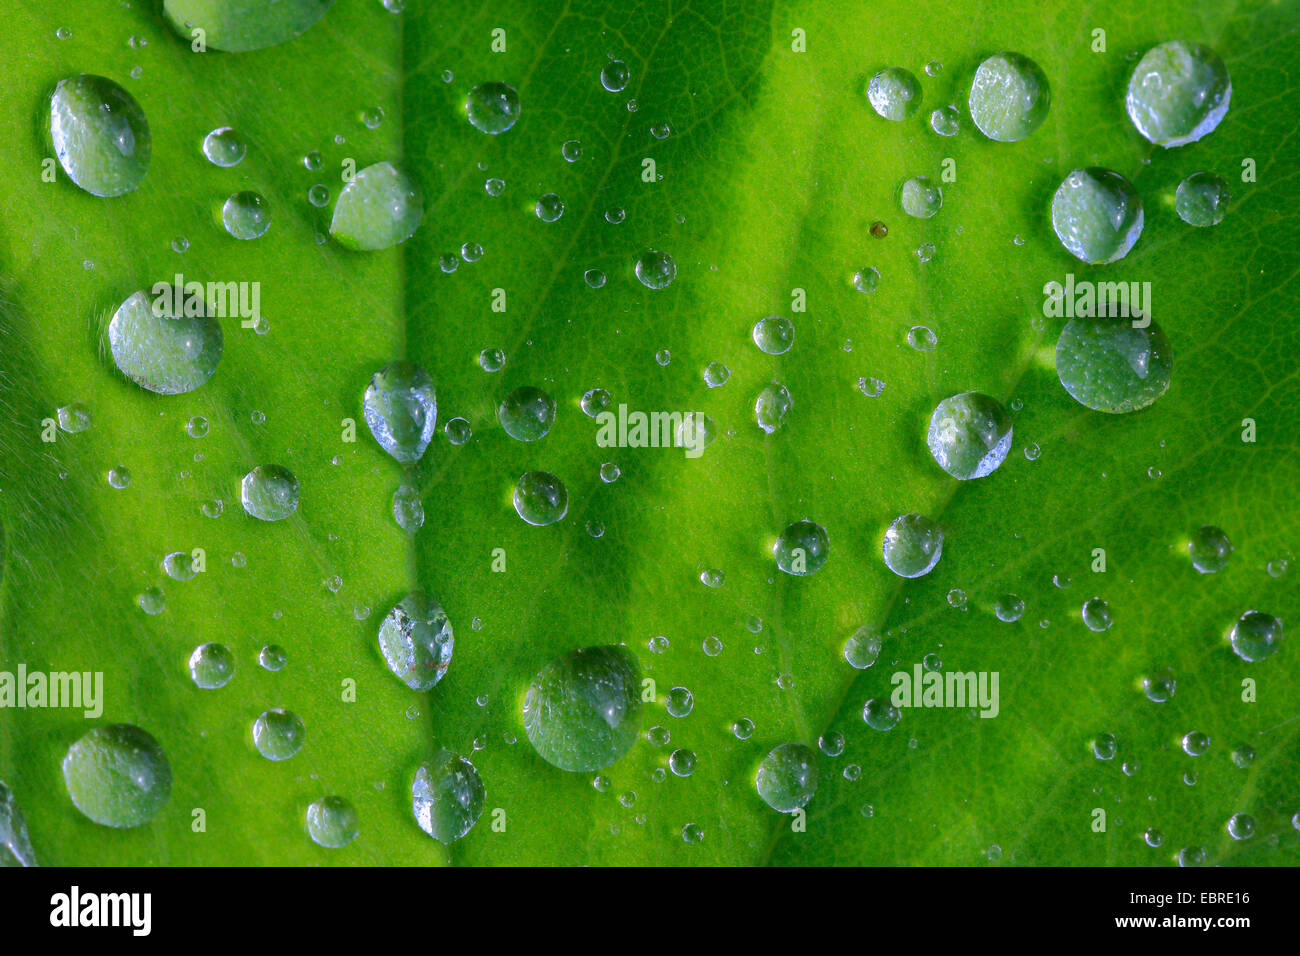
[
  {"x": 894, "y": 93},
  {"x": 269, "y": 492},
  {"x": 527, "y": 413},
  {"x": 1256, "y": 636},
  {"x": 224, "y": 147},
  {"x": 162, "y": 348},
  {"x": 540, "y": 498},
  {"x": 1110, "y": 366},
  {"x": 773, "y": 334},
  {"x": 416, "y": 641},
  {"x": 246, "y": 215},
  {"x": 969, "y": 435},
  {"x": 492, "y": 107},
  {"x": 118, "y": 775},
  {"x": 802, "y": 548},
  {"x": 1202, "y": 200},
  {"x": 245, "y": 25},
  {"x": 773, "y": 407},
  {"x": 447, "y": 796},
  {"x": 1209, "y": 549},
  {"x": 913, "y": 545},
  {"x": 212, "y": 666},
  {"x": 920, "y": 198},
  {"x": 614, "y": 76},
  {"x": 1178, "y": 93},
  {"x": 582, "y": 712},
  {"x": 100, "y": 135},
  {"x": 332, "y": 822},
  {"x": 1009, "y": 97},
  {"x": 401, "y": 409},
  {"x": 278, "y": 734},
  {"x": 1097, "y": 215},
  {"x": 655, "y": 270},
  {"x": 15, "y": 844},
  {"x": 379, "y": 208},
  {"x": 787, "y": 777}
]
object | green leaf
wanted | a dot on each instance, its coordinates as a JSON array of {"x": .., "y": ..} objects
[{"x": 763, "y": 192}]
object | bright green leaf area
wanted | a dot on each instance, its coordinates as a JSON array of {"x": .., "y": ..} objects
[{"x": 774, "y": 170}]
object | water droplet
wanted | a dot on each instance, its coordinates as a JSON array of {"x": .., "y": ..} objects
[
  {"x": 831, "y": 744},
  {"x": 100, "y": 135},
  {"x": 1195, "y": 744},
  {"x": 862, "y": 648},
  {"x": 802, "y": 548},
  {"x": 1096, "y": 615},
  {"x": 921, "y": 338},
  {"x": 880, "y": 714},
  {"x": 458, "y": 431},
  {"x": 655, "y": 270},
  {"x": 894, "y": 93},
  {"x": 957, "y": 599},
  {"x": 582, "y": 711},
  {"x": 1097, "y": 215},
  {"x": 1255, "y": 636},
  {"x": 118, "y": 775},
  {"x": 447, "y": 796},
  {"x": 1192, "y": 856},
  {"x": 773, "y": 335},
  {"x": 772, "y": 407},
  {"x": 179, "y": 566},
  {"x": 594, "y": 401},
  {"x": 246, "y": 215},
  {"x": 946, "y": 120},
  {"x": 1009, "y": 97},
  {"x": 549, "y": 208},
  {"x": 609, "y": 472},
  {"x": 471, "y": 251},
  {"x": 594, "y": 278},
  {"x": 692, "y": 833},
  {"x": 380, "y": 208},
  {"x": 1243, "y": 756},
  {"x": 716, "y": 375},
  {"x": 492, "y": 107},
  {"x": 879, "y": 229},
  {"x": 1110, "y": 366},
  {"x": 679, "y": 702},
  {"x": 969, "y": 435},
  {"x": 527, "y": 413},
  {"x": 614, "y": 76},
  {"x": 318, "y": 195},
  {"x": 332, "y": 822},
  {"x": 15, "y": 843},
  {"x": 870, "y": 387},
  {"x": 711, "y": 645},
  {"x": 540, "y": 498},
  {"x": 864, "y": 280},
  {"x": 224, "y": 147},
  {"x": 787, "y": 777},
  {"x": 416, "y": 640},
  {"x": 743, "y": 729},
  {"x": 119, "y": 477},
  {"x": 658, "y": 644},
  {"x": 682, "y": 762},
  {"x": 273, "y": 658},
  {"x": 278, "y": 733},
  {"x": 211, "y": 666},
  {"x": 494, "y": 186},
  {"x": 1202, "y": 199},
  {"x": 74, "y": 418},
  {"x": 1178, "y": 93},
  {"x": 372, "y": 117},
  {"x": 1160, "y": 686},
  {"x": 913, "y": 545},
  {"x": 1209, "y": 549},
  {"x": 920, "y": 198},
  {"x": 401, "y": 409},
  {"x": 1009, "y": 608},
  {"x": 163, "y": 349},
  {"x": 1104, "y": 747},
  {"x": 615, "y": 216},
  {"x": 571, "y": 150},
  {"x": 269, "y": 492}
]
